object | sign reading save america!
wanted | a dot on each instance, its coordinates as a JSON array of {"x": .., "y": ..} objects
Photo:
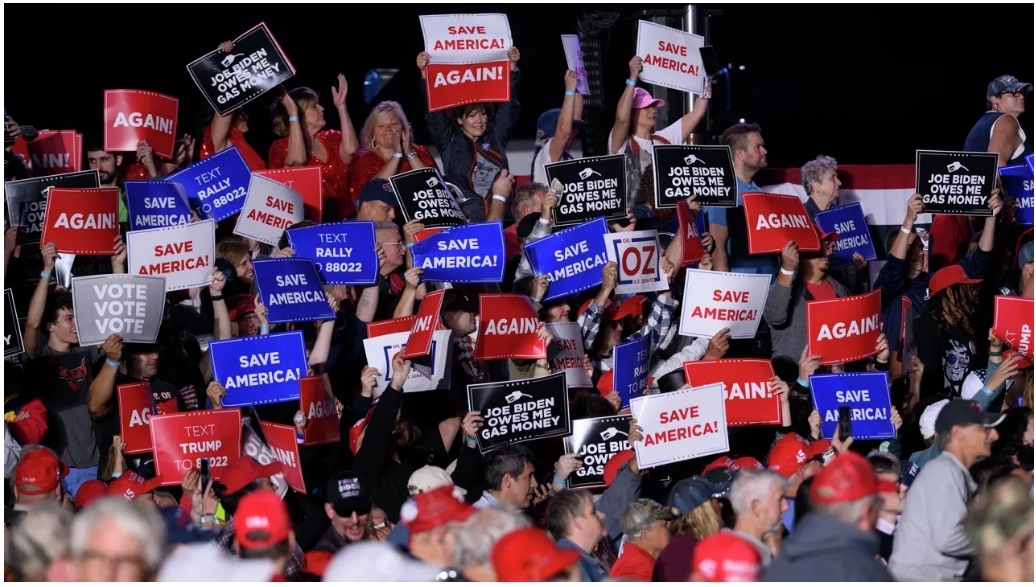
[
  {"x": 473, "y": 253},
  {"x": 155, "y": 204},
  {"x": 270, "y": 207},
  {"x": 260, "y": 369},
  {"x": 715, "y": 300},
  {"x": 572, "y": 258},
  {"x": 291, "y": 290},
  {"x": 184, "y": 255},
  {"x": 468, "y": 59}
]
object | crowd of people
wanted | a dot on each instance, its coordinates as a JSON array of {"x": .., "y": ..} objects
[{"x": 407, "y": 495}]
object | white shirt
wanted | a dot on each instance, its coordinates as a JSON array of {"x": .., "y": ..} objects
[{"x": 672, "y": 133}]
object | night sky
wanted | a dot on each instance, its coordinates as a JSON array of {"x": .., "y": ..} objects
[{"x": 865, "y": 84}]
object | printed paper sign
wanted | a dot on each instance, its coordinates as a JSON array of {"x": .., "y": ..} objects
[
  {"x": 1012, "y": 323},
  {"x": 318, "y": 403},
  {"x": 184, "y": 255},
  {"x": 572, "y": 258},
  {"x": 13, "y": 344},
  {"x": 907, "y": 346},
  {"x": 27, "y": 200},
  {"x": 82, "y": 221},
  {"x": 680, "y": 425},
  {"x": 423, "y": 196},
  {"x": 574, "y": 61},
  {"x": 131, "y": 306},
  {"x": 262, "y": 369},
  {"x": 713, "y": 300},
  {"x": 154, "y": 204},
  {"x": 255, "y": 66},
  {"x": 281, "y": 440},
  {"x": 291, "y": 290},
  {"x": 844, "y": 330},
  {"x": 419, "y": 343},
  {"x": 473, "y": 253},
  {"x": 689, "y": 232},
  {"x": 216, "y": 185},
  {"x": 518, "y": 411},
  {"x": 1017, "y": 181},
  {"x": 182, "y": 440},
  {"x": 307, "y": 181},
  {"x": 597, "y": 440},
  {"x": 953, "y": 182},
  {"x": 638, "y": 255},
  {"x": 703, "y": 171},
  {"x": 131, "y": 116},
  {"x": 775, "y": 219},
  {"x": 853, "y": 234},
  {"x": 404, "y": 324},
  {"x": 672, "y": 58},
  {"x": 381, "y": 349},
  {"x": 508, "y": 329},
  {"x": 867, "y": 394},
  {"x": 270, "y": 208},
  {"x": 343, "y": 252},
  {"x": 135, "y": 410},
  {"x": 565, "y": 353},
  {"x": 468, "y": 59},
  {"x": 746, "y": 388},
  {"x": 632, "y": 359},
  {"x": 593, "y": 187},
  {"x": 54, "y": 151}
]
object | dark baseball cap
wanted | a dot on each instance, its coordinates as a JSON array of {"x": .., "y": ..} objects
[
  {"x": 547, "y": 124},
  {"x": 959, "y": 412},
  {"x": 1006, "y": 84},
  {"x": 689, "y": 494},
  {"x": 347, "y": 493},
  {"x": 379, "y": 190}
]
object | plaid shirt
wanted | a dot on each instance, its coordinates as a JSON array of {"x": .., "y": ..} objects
[
  {"x": 658, "y": 326},
  {"x": 466, "y": 356},
  {"x": 226, "y": 540},
  {"x": 540, "y": 230}
]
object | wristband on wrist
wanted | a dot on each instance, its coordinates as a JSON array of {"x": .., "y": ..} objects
[
  {"x": 299, "y": 435},
  {"x": 905, "y": 230},
  {"x": 111, "y": 363},
  {"x": 499, "y": 198},
  {"x": 630, "y": 82},
  {"x": 569, "y": 93},
  {"x": 996, "y": 353},
  {"x": 218, "y": 298},
  {"x": 787, "y": 272},
  {"x": 537, "y": 300},
  {"x": 470, "y": 442},
  {"x": 397, "y": 155},
  {"x": 559, "y": 480},
  {"x": 802, "y": 383},
  {"x": 44, "y": 274},
  {"x": 985, "y": 389},
  {"x": 264, "y": 330},
  {"x": 293, "y": 119},
  {"x": 410, "y": 245}
]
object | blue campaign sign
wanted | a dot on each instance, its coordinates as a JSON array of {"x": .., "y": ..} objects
[
  {"x": 631, "y": 368},
  {"x": 572, "y": 258},
  {"x": 1017, "y": 180},
  {"x": 216, "y": 186},
  {"x": 867, "y": 394},
  {"x": 155, "y": 204},
  {"x": 291, "y": 290},
  {"x": 342, "y": 251},
  {"x": 473, "y": 253},
  {"x": 853, "y": 235},
  {"x": 262, "y": 369}
]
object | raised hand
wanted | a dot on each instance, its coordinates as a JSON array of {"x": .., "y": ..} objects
[
  {"x": 636, "y": 67},
  {"x": 338, "y": 93}
]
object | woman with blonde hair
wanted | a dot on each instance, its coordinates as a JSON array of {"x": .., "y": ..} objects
[
  {"x": 696, "y": 500},
  {"x": 386, "y": 148}
]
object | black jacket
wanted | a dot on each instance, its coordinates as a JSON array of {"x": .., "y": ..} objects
[{"x": 825, "y": 549}]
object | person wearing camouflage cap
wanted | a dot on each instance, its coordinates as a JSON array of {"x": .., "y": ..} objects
[
  {"x": 645, "y": 524},
  {"x": 1000, "y": 525}
]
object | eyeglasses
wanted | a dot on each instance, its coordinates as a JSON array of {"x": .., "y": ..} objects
[
  {"x": 394, "y": 244},
  {"x": 1012, "y": 94},
  {"x": 97, "y": 559}
]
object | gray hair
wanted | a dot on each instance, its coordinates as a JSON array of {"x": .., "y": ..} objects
[
  {"x": 140, "y": 520},
  {"x": 28, "y": 448},
  {"x": 37, "y": 540},
  {"x": 814, "y": 170},
  {"x": 848, "y": 512},
  {"x": 474, "y": 542},
  {"x": 754, "y": 485}
]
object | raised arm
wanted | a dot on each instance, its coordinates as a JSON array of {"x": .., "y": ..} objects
[
  {"x": 38, "y": 302},
  {"x": 985, "y": 242},
  {"x": 563, "y": 132},
  {"x": 350, "y": 142},
  {"x": 620, "y": 132},
  {"x": 296, "y": 141},
  {"x": 701, "y": 105},
  {"x": 438, "y": 122},
  {"x": 507, "y": 114}
]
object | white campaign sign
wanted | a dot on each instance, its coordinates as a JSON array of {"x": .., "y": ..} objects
[
  {"x": 381, "y": 349},
  {"x": 270, "y": 207},
  {"x": 184, "y": 255},
  {"x": 713, "y": 300},
  {"x": 681, "y": 425},
  {"x": 638, "y": 255},
  {"x": 672, "y": 58},
  {"x": 565, "y": 353},
  {"x": 466, "y": 38},
  {"x": 574, "y": 61},
  {"x": 131, "y": 306}
]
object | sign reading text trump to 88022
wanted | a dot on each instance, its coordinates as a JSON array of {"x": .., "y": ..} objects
[{"x": 262, "y": 369}]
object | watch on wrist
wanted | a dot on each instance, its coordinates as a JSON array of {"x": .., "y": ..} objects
[{"x": 208, "y": 519}]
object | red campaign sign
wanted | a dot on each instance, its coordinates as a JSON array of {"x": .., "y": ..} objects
[
  {"x": 82, "y": 221},
  {"x": 456, "y": 84},
  {"x": 182, "y": 440},
  {"x": 844, "y": 330},
  {"x": 423, "y": 234},
  {"x": 746, "y": 388},
  {"x": 419, "y": 344},
  {"x": 281, "y": 440},
  {"x": 131, "y": 116},
  {"x": 307, "y": 181},
  {"x": 1012, "y": 323},
  {"x": 691, "y": 247},
  {"x": 54, "y": 151},
  {"x": 318, "y": 404},
  {"x": 135, "y": 412},
  {"x": 775, "y": 219},
  {"x": 393, "y": 326},
  {"x": 508, "y": 329}
]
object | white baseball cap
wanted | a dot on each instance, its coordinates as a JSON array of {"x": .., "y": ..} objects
[
  {"x": 428, "y": 478},
  {"x": 929, "y": 416},
  {"x": 209, "y": 562}
]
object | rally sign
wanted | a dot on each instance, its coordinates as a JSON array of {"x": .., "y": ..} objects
[
  {"x": 13, "y": 343},
  {"x": 154, "y": 204},
  {"x": 342, "y": 251},
  {"x": 853, "y": 234},
  {"x": 423, "y": 196},
  {"x": 638, "y": 256},
  {"x": 597, "y": 440},
  {"x": 391, "y": 326},
  {"x": 285, "y": 449},
  {"x": 844, "y": 330},
  {"x": 27, "y": 200},
  {"x": 183, "y": 439},
  {"x": 55, "y": 151},
  {"x": 867, "y": 396},
  {"x": 131, "y": 116},
  {"x": 255, "y": 66},
  {"x": 574, "y": 60},
  {"x": 508, "y": 329},
  {"x": 184, "y": 255},
  {"x": 689, "y": 229},
  {"x": 216, "y": 185},
  {"x": 632, "y": 359},
  {"x": 307, "y": 181},
  {"x": 468, "y": 59},
  {"x": 907, "y": 346},
  {"x": 135, "y": 410},
  {"x": 291, "y": 290},
  {"x": 419, "y": 342},
  {"x": 1018, "y": 180},
  {"x": 518, "y": 411},
  {"x": 705, "y": 172},
  {"x": 571, "y": 258},
  {"x": 592, "y": 187},
  {"x": 270, "y": 207},
  {"x": 262, "y": 369},
  {"x": 1012, "y": 323},
  {"x": 746, "y": 388},
  {"x": 954, "y": 182},
  {"x": 318, "y": 404},
  {"x": 82, "y": 221},
  {"x": 730, "y": 300},
  {"x": 672, "y": 58},
  {"x": 565, "y": 353},
  {"x": 775, "y": 219},
  {"x": 381, "y": 349},
  {"x": 680, "y": 425},
  {"x": 131, "y": 306},
  {"x": 473, "y": 253}
]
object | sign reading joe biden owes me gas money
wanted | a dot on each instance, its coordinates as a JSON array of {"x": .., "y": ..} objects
[
  {"x": 592, "y": 187},
  {"x": 703, "y": 171},
  {"x": 517, "y": 411}
]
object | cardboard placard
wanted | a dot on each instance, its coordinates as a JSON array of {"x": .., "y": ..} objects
[
  {"x": 1017, "y": 181},
  {"x": 572, "y": 258},
  {"x": 955, "y": 182},
  {"x": 508, "y": 329},
  {"x": 746, "y": 390},
  {"x": 262, "y": 369},
  {"x": 343, "y": 252},
  {"x": 27, "y": 200},
  {"x": 867, "y": 394},
  {"x": 131, "y": 116},
  {"x": 281, "y": 440},
  {"x": 82, "y": 221},
  {"x": 632, "y": 359},
  {"x": 844, "y": 330},
  {"x": 574, "y": 61},
  {"x": 135, "y": 410},
  {"x": 156, "y": 204},
  {"x": 592, "y": 187},
  {"x": 404, "y": 324},
  {"x": 318, "y": 404},
  {"x": 853, "y": 234},
  {"x": 436, "y": 375},
  {"x": 473, "y": 253},
  {"x": 181, "y": 440},
  {"x": 184, "y": 255},
  {"x": 775, "y": 219},
  {"x": 216, "y": 186},
  {"x": 907, "y": 346},
  {"x": 638, "y": 255},
  {"x": 468, "y": 59},
  {"x": 672, "y": 58},
  {"x": 423, "y": 196},
  {"x": 518, "y": 411},
  {"x": 54, "y": 151},
  {"x": 290, "y": 289},
  {"x": 703, "y": 171},
  {"x": 131, "y": 306},
  {"x": 1012, "y": 323},
  {"x": 680, "y": 425},
  {"x": 714, "y": 300},
  {"x": 270, "y": 208},
  {"x": 307, "y": 181},
  {"x": 691, "y": 249},
  {"x": 419, "y": 342},
  {"x": 13, "y": 343},
  {"x": 597, "y": 440},
  {"x": 565, "y": 353}
]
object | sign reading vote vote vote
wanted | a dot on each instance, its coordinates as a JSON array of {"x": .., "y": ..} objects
[
  {"x": 291, "y": 290},
  {"x": 853, "y": 234},
  {"x": 597, "y": 440},
  {"x": 260, "y": 369},
  {"x": 423, "y": 196},
  {"x": 867, "y": 396},
  {"x": 131, "y": 306},
  {"x": 592, "y": 187},
  {"x": 572, "y": 258},
  {"x": 342, "y": 251},
  {"x": 517, "y": 411},
  {"x": 155, "y": 204},
  {"x": 473, "y": 253},
  {"x": 953, "y": 182},
  {"x": 27, "y": 200},
  {"x": 216, "y": 185},
  {"x": 705, "y": 172}
]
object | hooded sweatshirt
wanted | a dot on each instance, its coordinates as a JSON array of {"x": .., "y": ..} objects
[{"x": 825, "y": 549}]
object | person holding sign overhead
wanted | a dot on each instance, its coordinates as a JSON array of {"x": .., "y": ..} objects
[
  {"x": 229, "y": 130},
  {"x": 562, "y": 124},
  {"x": 386, "y": 148}
]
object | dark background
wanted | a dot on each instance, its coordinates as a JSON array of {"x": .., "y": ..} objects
[{"x": 865, "y": 84}]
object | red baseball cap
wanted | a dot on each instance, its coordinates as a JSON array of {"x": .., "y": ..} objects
[
  {"x": 724, "y": 557},
  {"x": 357, "y": 430},
  {"x": 634, "y": 306},
  {"x": 131, "y": 486},
  {"x": 611, "y": 468},
  {"x": 792, "y": 452},
  {"x": 530, "y": 556},
  {"x": 946, "y": 277},
  {"x": 848, "y": 477},
  {"x": 39, "y": 472},
  {"x": 89, "y": 492},
  {"x": 887, "y": 486},
  {"x": 245, "y": 470},
  {"x": 430, "y": 509},
  {"x": 240, "y": 306},
  {"x": 261, "y": 520},
  {"x": 606, "y": 384}
]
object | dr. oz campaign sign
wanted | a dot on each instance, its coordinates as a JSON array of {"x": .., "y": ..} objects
[
  {"x": 638, "y": 255},
  {"x": 631, "y": 368},
  {"x": 572, "y": 258},
  {"x": 465, "y": 254},
  {"x": 155, "y": 204},
  {"x": 342, "y": 251},
  {"x": 216, "y": 185},
  {"x": 262, "y": 369},
  {"x": 865, "y": 394},
  {"x": 853, "y": 234},
  {"x": 291, "y": 290}
]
